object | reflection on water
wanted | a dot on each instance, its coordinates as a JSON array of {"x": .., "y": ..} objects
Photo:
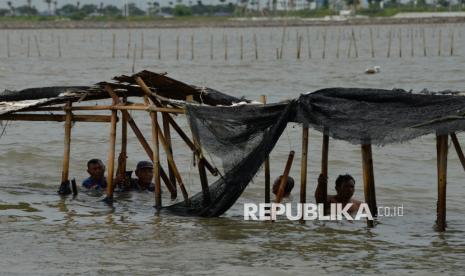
[{"x": 44, "y": 234}]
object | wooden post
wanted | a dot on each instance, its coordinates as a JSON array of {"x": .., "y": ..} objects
[
  {"x": 192, "y": 47},
  {"x": 324, "y": 162},
  {"x": 442, "y": 147},
  {"x": 267, "y": 168},
  {"x": 166, "y": 131},
  {"x": 458, "y": 149},
  {"x": 412, "y": 51},
  {"x": 324, "y": 45},
  {"x": 389, "y": 44},
  {"x": 424, "y": 42},
  {"x": 255, "y": 45},
  {"x": 142, "y": 46},
  {"x": 177, "y": 47},
  {"x": 338, "y": 43},
  {"x": 134, "y": 58},
  {"x": 129, "y": 46},
  {"x": 37, "y": 46},
  {"x": 400, "y": 42},
  {"x": 121, "y": 170},
  {"x": 211, "y": 47},
  {"x": 303, "y": 169},
  {"x": 225, "y": 47},
  {"x": 8, "y": 45},
  {"x": 452, "y": 43},
  {"x": 309, "y": 45},
  {"x": 439, "y": 42},
  {"x": 159, "y": 47},
  {"x": 372, "y": 44},
  {"x": 111, "y": 151},
  {"x": 113, "y": 49},
  {"x": 59, "y": 46},
  {"x": 28, "y": 46},
  {"x": 355, "y": 43},
  {"x": 156, "y": 160},
  {"x": 67, "y": 149},
  {"x": 369, "y": 181},
  {"x": 282, "y": 184},
  {"x": 241, "y": 47}
]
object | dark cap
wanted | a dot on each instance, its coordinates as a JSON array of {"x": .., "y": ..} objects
[{"x": 144, "y": 164}]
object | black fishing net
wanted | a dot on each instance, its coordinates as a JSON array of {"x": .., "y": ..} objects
[{"x": 243, "y": 136}]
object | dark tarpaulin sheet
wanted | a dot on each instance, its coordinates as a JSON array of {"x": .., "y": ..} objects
[{"x": 242, "y": 136}]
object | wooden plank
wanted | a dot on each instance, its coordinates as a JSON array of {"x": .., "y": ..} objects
[
  {"x": 55, "y": 118},
  {"x": 67, "y": 146}
]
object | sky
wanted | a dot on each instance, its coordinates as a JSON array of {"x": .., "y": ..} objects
[{"x": 42, "y": 6}]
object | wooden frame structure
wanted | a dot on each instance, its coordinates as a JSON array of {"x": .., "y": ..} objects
[{"x": 161, "y": 135}]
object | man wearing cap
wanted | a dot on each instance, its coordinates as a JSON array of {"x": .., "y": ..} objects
[{"x": 143, "y": 182}]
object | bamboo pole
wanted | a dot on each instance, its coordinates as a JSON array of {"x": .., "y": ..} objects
[
  {"x": 67, "y": 148},
  {"x": 59, "y": 46},
  {"x": 303, "y": 169},
  {"x": 142, "y": 45},
  {"x": 400, "y": 42},
  {"x": 8, "y": 45},
  {"x": 156, "y": 161},
  {"x": 424, "y": 42},
  {"x": 309, "y": 45},
  {"x": 439, "y": 42},
  {"x": 192, "y": 47},
  {"x": 225, "y": 47},
  {"x": 267, "y": 167},
  {"x": 211, "y": 47},
  {"x": 282, "y": 44},
  {"x": 324, "y": 162},
  {"x": 458, "y": 148},
  {"x": 111, "y": 152},
  {"x": 159, "y": 136},
  {"x": 389, "y": 44},
  {"x": 129, "y": 46},
  {"x": 255, "y": 43},
  {"x": 355, "y": 43},
  {"x": 452, "y": 43},
  {"x": 167, "y": 133},
  {"x": 412, "y": 53},
  {"x": 241, "y": 54},
  {"x": 134, "y": 59},
  {"x": 283, "y": 182},
  {"x": 159, "y": 47},
  {"x": 113, "y": 49},
  {"x": 55, "y": 118},
  {"x": 177, "y": 47},
  {"x": 28, "y": 46},
  {"x": 37, "y": 46},
  {"x": 442, "y": 147},
  {"x": 110, "y": 107},
  {"x": 369, "y": 181},
  {"x": 324, "y": 45},
  {"x": 372, "y": 44},
  {"x": 338, "y": 43}
]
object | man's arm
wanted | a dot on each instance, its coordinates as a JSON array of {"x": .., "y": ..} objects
[{"x": 321, "y": 189}]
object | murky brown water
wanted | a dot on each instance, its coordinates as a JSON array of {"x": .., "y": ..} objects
[{"x": 42, "y": 234}]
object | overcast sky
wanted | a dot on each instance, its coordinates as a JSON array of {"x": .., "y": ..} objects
[{"x": 42, "y": 6}]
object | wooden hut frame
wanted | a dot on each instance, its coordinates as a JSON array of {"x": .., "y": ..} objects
[{"x": 161, "y": 135}]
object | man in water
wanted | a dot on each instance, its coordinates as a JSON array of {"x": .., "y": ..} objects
[
  {"x": 96, "y": 179},
  {"x": 345, "y": 188},
  {"x": 287, "y": 189},
  {"x": 144, "y": 173}
]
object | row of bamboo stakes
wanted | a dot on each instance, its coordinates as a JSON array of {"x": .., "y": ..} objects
[
  {"x": 162, "y": 137},
  {"x": 352, "y": 49}
]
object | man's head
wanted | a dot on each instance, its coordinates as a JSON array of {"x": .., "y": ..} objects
[
  {"x": 287, "y": 189},
  {"x": 345, "y": 186},
  {"x": 96, "y": 169},
  {"x": 144, "y": 172}
]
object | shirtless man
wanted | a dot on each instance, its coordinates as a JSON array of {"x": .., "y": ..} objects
[{"x": 345, "y": 187}]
